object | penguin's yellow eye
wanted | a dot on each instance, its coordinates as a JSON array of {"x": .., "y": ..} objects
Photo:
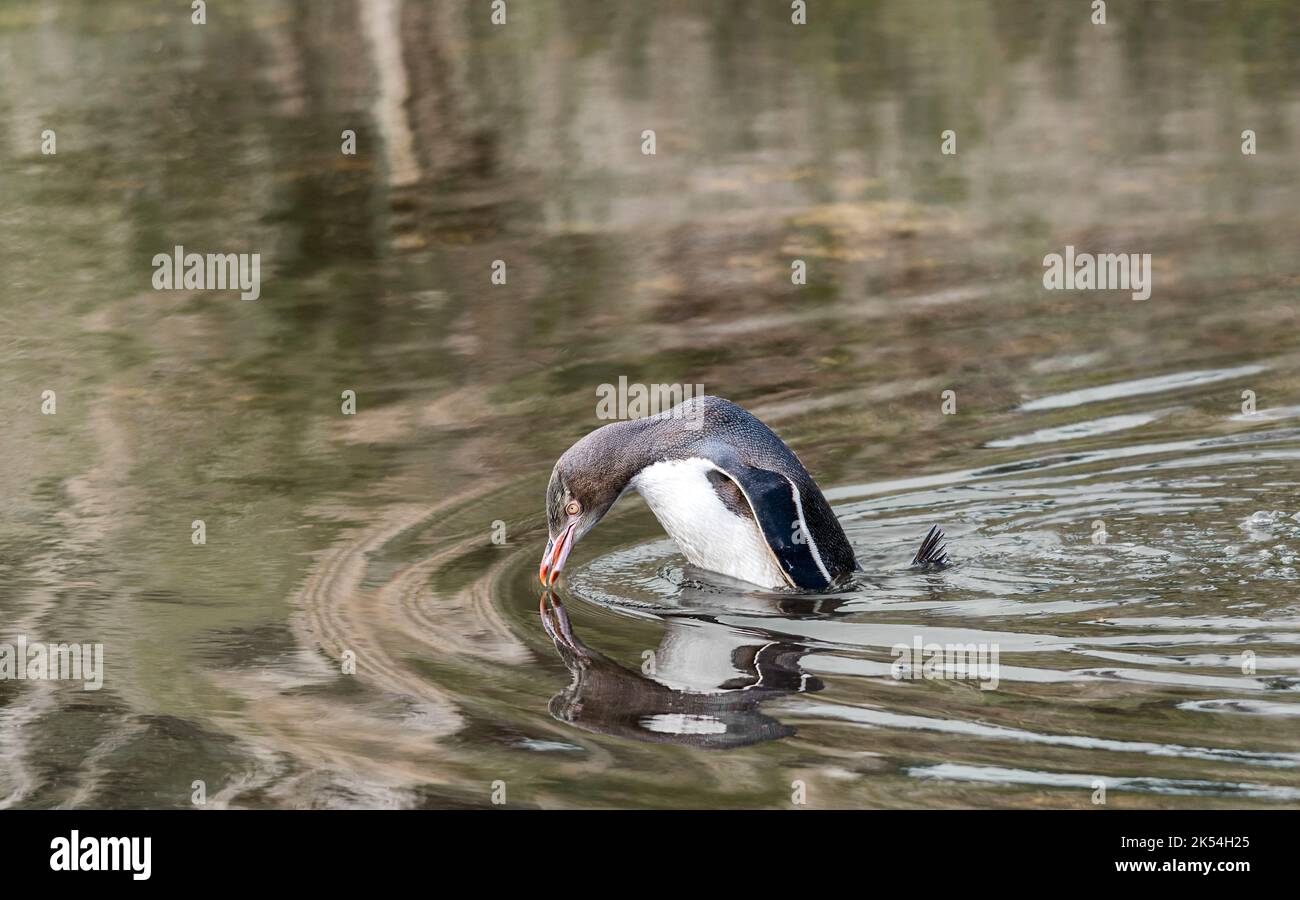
[{"x": 573, "y": 507}]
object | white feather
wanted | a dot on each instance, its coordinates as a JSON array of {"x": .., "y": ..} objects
[{"x": 711, "y": 536}]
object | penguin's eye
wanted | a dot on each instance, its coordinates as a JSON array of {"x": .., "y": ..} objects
[{"x": 573, "y": 507}]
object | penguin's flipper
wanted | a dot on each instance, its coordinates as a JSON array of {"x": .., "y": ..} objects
[
  {"x": 933, "y": 552},
  {"x": 774, "y": 501}
]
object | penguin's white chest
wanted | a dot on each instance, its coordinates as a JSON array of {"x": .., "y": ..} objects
[{"x": 711, "y": 536}]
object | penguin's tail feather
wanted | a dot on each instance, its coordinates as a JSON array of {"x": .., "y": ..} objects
[{"x": 933, "y": 553}]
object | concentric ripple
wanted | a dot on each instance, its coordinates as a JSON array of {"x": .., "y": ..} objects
[{"x": 1134, "y": 606}]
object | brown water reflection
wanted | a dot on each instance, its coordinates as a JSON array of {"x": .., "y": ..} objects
[{"x": 371, "y": 535}]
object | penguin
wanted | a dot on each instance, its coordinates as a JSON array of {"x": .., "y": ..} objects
[{"x": 729, "y": 492}]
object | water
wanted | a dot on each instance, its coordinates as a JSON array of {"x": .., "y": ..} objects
[{"x": 1162, "y": 661}]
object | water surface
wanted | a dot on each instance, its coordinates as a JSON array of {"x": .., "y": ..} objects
[{"x": 1162, "y": 661}]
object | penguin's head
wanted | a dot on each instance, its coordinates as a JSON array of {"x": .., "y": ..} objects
[{"x": 582, "y": 489}]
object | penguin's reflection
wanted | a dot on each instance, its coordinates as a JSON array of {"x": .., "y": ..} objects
[{"x": 705, "y": 685}]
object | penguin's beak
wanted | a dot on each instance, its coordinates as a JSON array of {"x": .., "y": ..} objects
[{"x": 557, "y": 551}]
